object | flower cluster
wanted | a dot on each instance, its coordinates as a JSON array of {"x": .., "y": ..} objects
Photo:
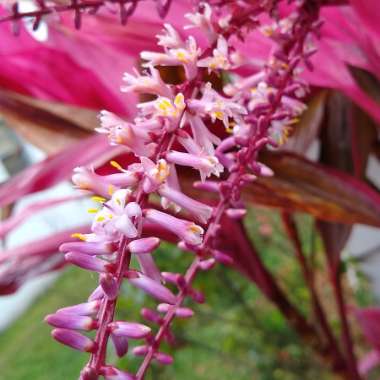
[{"x": 172, "y": 131}]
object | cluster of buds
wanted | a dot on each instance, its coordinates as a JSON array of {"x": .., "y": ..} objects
[{"x": 172, "y": 131}]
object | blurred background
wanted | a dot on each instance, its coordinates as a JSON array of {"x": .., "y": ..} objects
[{"x": 54, "y": 80}]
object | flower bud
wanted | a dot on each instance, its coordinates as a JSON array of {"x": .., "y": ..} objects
[
  {"x": 112, "y": 373},
  {"x": 145, "y": 245},
  {"x": 90, "y": 248},
  {"x": 96, "y": 295},
  {"x": 222, "y": 257},
  {"x": 151, "y": 287},
  {"x": 74, "y": 340},
  {"x": 86, "y": 308},
  {"x": 87, "y": 262},
  {"x": 180, "y": 312},
  {"x": 88, "y": 373},
  {"x": 120, "y": 343},
  {"x": 163, "y": 358},
  {"x": 236, "y": 213},
  {"x": 129, "y": 329},
  {"x": 71, "y": 321},
  {"x": 151, "y": 315},
  {"x": 140, "y": 350},
  {"x": 109, "y": 285},
  {"x": 206, "y": 264}
]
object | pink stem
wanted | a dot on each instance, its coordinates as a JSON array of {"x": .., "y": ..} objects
[{"x": 235, "y": 183}]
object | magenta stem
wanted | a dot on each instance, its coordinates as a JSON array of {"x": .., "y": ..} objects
[{"x": 235, "y": 183}]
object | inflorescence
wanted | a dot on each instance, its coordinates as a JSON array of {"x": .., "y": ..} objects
[{"x": 172, "y": 131}]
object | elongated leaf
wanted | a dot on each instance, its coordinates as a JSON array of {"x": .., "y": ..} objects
[
  {"x": 30, "y": 260},
  {"x": 328, "y": 194},
  {"x": 336, "y": 127},
  {"x": 15, "y": 221},
  {"x": 307, "y": 130},
  {"x": 56, "y": 168},
  {"x": 369, "y": 12},
  {"x": 300, "y": 185},
  {"x": 355, "y": 133},
  {"x": 49, "y": 126}
]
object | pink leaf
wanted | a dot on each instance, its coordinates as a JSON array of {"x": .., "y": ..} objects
[{"x": 54, "y": 169}]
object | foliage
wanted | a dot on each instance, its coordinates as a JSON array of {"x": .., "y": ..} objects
[{"x": 332, "y": 189}]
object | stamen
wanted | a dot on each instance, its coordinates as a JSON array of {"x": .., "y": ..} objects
[
  {"x": 116, "y": 165},
  {"x": 111, "y": 190},
  {"x": 98, "y": 199},
  {"x": 79, "y": 236}
]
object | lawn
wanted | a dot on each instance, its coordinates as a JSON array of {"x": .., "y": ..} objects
[{"x": 237, "y": 334}]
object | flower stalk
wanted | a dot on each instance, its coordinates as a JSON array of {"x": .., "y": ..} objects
[{"x": 169, "y": 132}]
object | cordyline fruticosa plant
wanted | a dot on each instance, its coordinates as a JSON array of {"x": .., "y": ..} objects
[{"x": 217, "y": 101}]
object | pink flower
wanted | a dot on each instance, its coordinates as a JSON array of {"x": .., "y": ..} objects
[
  {"x": 185, "y": 55},
  {"x": 202, "y": 136},
  {"x": 171, "y": 109},
  {"x": 219, "y": 59},
  {"x": 217, "y": 106},
  {"x": 185, "y": 230},
  {"x": 199, "y": 210},
  {"x": 86, "y": 179},
  {"x": 74, "y": 340},
  {"x": 196, "y": 157},
  {"x": 259, "y": 95},
  {"x": 146, "y": 84},
  {"x": 206, "y": 165},
  {"x": 202, "y": 20},
  {"x": 155, "y": 174},
  {"x": 120, "y": 132},
  {"x": 170, "y": 39},
  {"x": 116, "y": 215}
]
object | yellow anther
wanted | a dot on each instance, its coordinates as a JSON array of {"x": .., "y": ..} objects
[
  {"x": 285, "y": 135},
  {"x": 100, "y": 218},
  {"x": 116, "y": 165},
  {"x": 164, "y": 104},
  {"x": 179, "y": 101},
  {"x": 218, "y": 114},
  {"x": 119, "y": 139},
  {"x": 294, "y": 121},
  {"x": 92, "y": 210},
  {"x": 79, "y": 236},
  {"x": 84, "y": 186},
  {"x": 230, "y": 127},
  {"x": 111, "y": 190},
  {"x": 167, "y": 108},
  {"x": 162, "y": 170},
  {"x": 118, "y": 201},
  {"x": 196, "y": 229},
  {"x": 98, "y": 199},
  {"x": 182, "y": 56},
  {"x": 268, "y": 32}
]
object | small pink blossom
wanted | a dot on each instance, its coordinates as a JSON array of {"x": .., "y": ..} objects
[
  {"x": 217, "y": 106},
  {"x": 120, "y": 132},
  {"x": 151, "y": 83},
  {"x": 219, "y": 59},
  {"x": 185, "y": 55}
]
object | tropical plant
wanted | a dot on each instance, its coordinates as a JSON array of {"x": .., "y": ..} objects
[{"x": 242, "y": 93}]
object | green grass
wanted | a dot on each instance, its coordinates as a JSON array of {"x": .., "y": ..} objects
[
  {"x": 26, "y": 349},
  {"x": 236, "y": 335}
]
